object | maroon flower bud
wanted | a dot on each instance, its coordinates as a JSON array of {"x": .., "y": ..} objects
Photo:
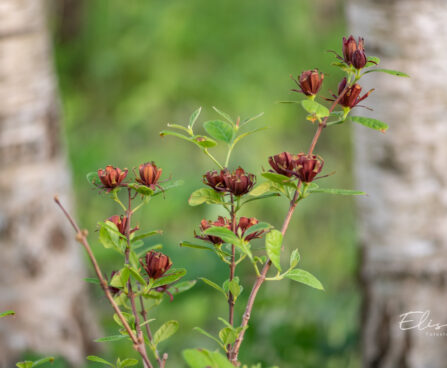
[
  {"x": 113, "y": 290},
  {"x": 308, "y": 166},
  {"x": 149, "y": 175},
  {"x": 352, "y": 96},
  {"x": 215, "y": 180},
  {"x": 156, "y": 264},
  {"x": 310, "y": 82},
  {"x": 238, "y": 182},
  {"x": 282, "y": 163},
  {"x": 111, "y": 177},
  {"x": 359, "y": 59},
  {"x": 206, "y": 224},
  {"x": 244, "y": 224},
  {"x": 353, "y": 53}
]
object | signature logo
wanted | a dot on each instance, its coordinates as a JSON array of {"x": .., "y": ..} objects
[{"x": 421, "y": 321}]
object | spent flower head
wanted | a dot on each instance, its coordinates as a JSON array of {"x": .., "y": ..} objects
[
  {"x": 156, "y": 264},
  {"x": 111, "y": 177}
]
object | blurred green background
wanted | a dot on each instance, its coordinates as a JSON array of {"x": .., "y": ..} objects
[{"x": 126, "y": 68}]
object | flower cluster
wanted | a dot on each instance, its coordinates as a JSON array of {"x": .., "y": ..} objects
[
  {"x": 112, "y": 177},
  {"x": 237, "y": 182},
  {"x": 303, "y": 166},
  {"x": 241, "y": 227}
]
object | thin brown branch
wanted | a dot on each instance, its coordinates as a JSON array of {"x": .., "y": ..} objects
[
  {"x": 233, "y": 354},
  {"x": 81, "y": 236}
]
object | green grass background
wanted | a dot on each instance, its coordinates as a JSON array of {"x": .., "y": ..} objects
[{"x": 130, "y": 67}]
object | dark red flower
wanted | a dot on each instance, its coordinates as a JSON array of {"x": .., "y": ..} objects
[
  {"x": 111, "y": 177},
  {"x": 308, "y": 166},
  {"x": 215, "y": 180},
  {"x": 206, "y": 224},
  {"x": 156, "y": 264},
  {"x": 282, "y": 163},
  {"x": 310, "y": 82},
  {"x": 149, "y": 175},
  {"x": 238, "y": 182},
  {"x": 244, "y": 224},
  {"x": 353, "y": 52},
  {"x": 352, "y": 96}
]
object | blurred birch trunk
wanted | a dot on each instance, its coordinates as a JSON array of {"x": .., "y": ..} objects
[
  {"x": 403, "y": 222},
  {"x": 41, "y": 268}
]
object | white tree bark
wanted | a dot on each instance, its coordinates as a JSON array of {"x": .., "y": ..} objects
[
  {"x": 403, "y": 222},
  {"x": 41, "y": 270}
]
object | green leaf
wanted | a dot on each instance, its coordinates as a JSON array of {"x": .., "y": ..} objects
[
  {"x": 141, "y": 189},
  {"x": 120, "y": 278},
  {"x": 373, "y": 60},
  {"x": 175, "y": 275},
  {"x": 128, "y": 363},
  {"x": 165, "y": 332},
  {"x": 273, "y": 243},
  {"x": 314, "y": 108},
  {"x": 111, "y": 338},
  {"x": 280, "y": 179},
  {"x": 222, "y": 232},
  {"x": 25, "y": 364},
  {"x": 336, "y": 191},
  {"x": 193, "y": 245},
  {"x": 205, "y": 195},
  {"x": 305, "y": 278},
  {"x": 388, "y": 71},
  {"x": 204, "y": 141},
  {"x": 43, "y": 361},
  {"x": 204, "y": 333},
  {"x": 182, "y": 287},
  {"x": 136, "y": 274},
  {"x": 261, "y": 189},
  {"x": 94, "y": 358},
  {"x": 7, "y": 313},
  {"x": 146, "y": 235},
  {"x": 260, "y": 226},
  {"x": 219, "y": 130},
  {"x": 370, "y": 123},
  {"x": 294, "y": 258},
  {"x": 175, "y": 134},
  {"x": 227, "y": 335},
  {"x": 109, "y": 237},
  {"x": 264, "y": 196},
  {"x": 193, "y": 117},
  {"x": 246, "y": 121},
  {"x": 196, "y": 359},
  {"x": 91, "y": 280},
  {"x": 213, "y": 285},
  {"x": 224, "y": 115},
  {"x": 180, "y": 127},
  {"x": 235, "y": 288}
]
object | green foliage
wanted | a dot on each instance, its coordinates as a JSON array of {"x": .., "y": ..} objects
[
  {"x": 304, "y": 277},
  {"x": 370, "y": 123},
  {"x": 32, "y": 364},
  {"x": 165, "y": 332},
  {"x": 388, "y": 71},
  {"x": 219, "y": 130},
  {"x": 273, "y": 244},
  {"x": 7, "y": 313},
  {"x": 205, "y": 195}
]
